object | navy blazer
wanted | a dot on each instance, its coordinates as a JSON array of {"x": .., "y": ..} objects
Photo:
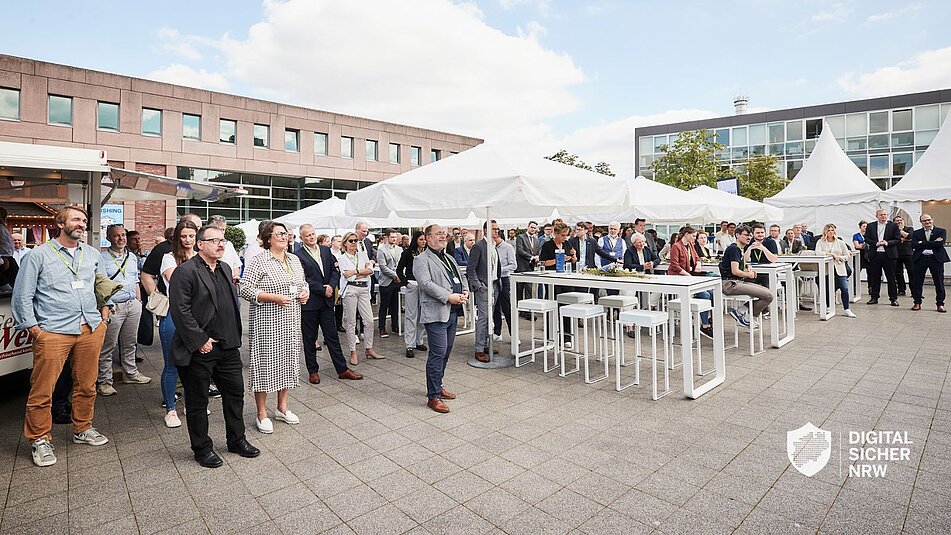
[
  {"x": 892, "y": 236},
  {"x": 631, "y": 260},
  {"x": 591, "y": 248},
  {"x": 937, "y": 245},
  {"x": 461, "y": 256},
  {"x": 317, "y": 279}
]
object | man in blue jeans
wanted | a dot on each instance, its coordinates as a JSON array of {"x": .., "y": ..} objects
[{"x": 441, "y": 297}]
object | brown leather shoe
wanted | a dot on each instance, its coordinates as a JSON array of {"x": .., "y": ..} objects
[
  {"x": 371, "y": 354},
  {"x": 916, "y": 306},
  {"x": 446, "y": 395},
  {"x": 350, "y": 375},
  {"x": 314, "y": 378},
  {"x": 941, "y": 308},
  {"x": 482, "y": 356},
  {"x": 437, "y": 405}
]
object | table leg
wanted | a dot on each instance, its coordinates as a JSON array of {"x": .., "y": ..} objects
[
  {"x": 792, "y": 305},
  {"x": 774, "y": 310},
  {"x": 513, "y": 314},
  {"x": 719, "y": 353}
]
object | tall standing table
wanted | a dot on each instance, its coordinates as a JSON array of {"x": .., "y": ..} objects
[{"x": 825, "y": 279}]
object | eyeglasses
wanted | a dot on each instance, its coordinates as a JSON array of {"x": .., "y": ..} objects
[
  {"x": 352, "y": 241},
  {"x": 214, "y": 241},
  {"x": 281, "y": 234}
]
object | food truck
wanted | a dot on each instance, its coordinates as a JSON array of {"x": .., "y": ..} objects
[{"x": 56, "y": 176}]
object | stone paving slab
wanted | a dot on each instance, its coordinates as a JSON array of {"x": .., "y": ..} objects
[{"x": 523, "y": 451}]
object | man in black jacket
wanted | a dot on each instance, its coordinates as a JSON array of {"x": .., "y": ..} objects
[
  {"x": 881, "y": 239},
  {"x": 203, "y": 302},
  {"x": 905, "y": 250},
  {"x": 322, "y": 276},
  {"x": 929, "y": 256}
]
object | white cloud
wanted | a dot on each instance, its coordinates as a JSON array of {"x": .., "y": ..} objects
[
  {"x": 542, "y": 5},
  {"x": 837, "y": 13},
  {"x": 889, "y": 15},
  {"x": 926, "y": 71},
  {"x": 170, "y": 40},
  {"x": 179, "y": 74}
]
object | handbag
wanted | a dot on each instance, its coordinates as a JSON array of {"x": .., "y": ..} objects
[{"x": 157, "y": 304}]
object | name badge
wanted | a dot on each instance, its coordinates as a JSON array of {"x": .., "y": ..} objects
[
  {"x": 78, "y": 285},
  {"x": 456, "y": 280},
  {"x": 294, "y": 290}
]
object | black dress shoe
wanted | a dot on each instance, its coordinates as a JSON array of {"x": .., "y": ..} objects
[
  {"x": 410, "y": 353},
  {"x": 894, "y": 303},
  {"x": 209, "y": 459},
  {"x": 422, "y": 347},
  {"x": 244, "y": 449},
  {"x": 872, "y": 301}
]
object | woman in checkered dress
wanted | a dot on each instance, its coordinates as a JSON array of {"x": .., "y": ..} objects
[{"x": 274, "y": 284}]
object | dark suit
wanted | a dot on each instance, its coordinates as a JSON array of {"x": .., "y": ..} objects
[
  {"x": 882, "y": 261},
  {"x": 790, "y": 248},
  {"x": 903, "y": 262},
  {"x": 461, "y": 256},
  {"x": 632, "y": 262},
  {"x": 591, "y": 248},
  {"x": 809, "y": 240},
  {"x": 933, "y": 262},
  {"x": 479, "y": 286},
  {"x": 318, "y": 312},
  {"x": 197, "y": 310},
  {"x": 525, "y": 248}
]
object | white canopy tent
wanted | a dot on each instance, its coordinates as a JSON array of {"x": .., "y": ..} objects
[
  {"x": 331, "y": 214},
  {"x": 828, "y": 189},
  {"x": 726, "y": 206},
  {"x": 929, "y": 179},
  {"x": 250, "y": 229},
  {"x": 502, "y": 184},
  {"x": 657, "y": 203}
]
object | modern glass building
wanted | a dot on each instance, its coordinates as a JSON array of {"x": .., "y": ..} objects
[{"x": 883, "y": 136}]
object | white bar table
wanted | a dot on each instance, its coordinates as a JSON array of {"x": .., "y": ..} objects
[
  {"x": 683, "y": 287},
  {"x": 778, "y": 273},
  {"x": 825, "y": 279},
  {"x": 856, "y": 278}
]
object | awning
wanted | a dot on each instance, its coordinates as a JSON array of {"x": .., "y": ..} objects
[{"x": 127, "y": 185}]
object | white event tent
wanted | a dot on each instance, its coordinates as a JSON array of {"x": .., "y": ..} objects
[
  {"x": 499, "y": 184},
  {"x": 726, "y": 206},
  {"x": 928, "y": 180},
  {"x": 657, "y": 203},
  {"x": 331, "y": 214},
  {"x": 828, "y": 189}
]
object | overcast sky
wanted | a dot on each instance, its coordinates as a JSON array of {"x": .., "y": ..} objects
[{"x": 536, "y": 74}]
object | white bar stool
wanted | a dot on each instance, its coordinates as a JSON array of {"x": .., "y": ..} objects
[
  {"x": 614, "y": 305},
  {"x": 593, "y": 314},
  {"x": 735, "y": 301},
  {"x": 575, "y": 298},
  {"x": 651, "y": 319},
  {"x": 697, "y": 306},
  {"x": 809, "y": 279},
  {"x": 547, "y": 309}
]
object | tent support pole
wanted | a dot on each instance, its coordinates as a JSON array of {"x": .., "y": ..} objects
[{"x": 495, "y": 361}]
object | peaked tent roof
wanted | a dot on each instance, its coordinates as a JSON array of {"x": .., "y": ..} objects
[
  {"x": 331, "y": 214},
  {"x": 827, "y": 177},
  {"x": 930, "y": 177},
  {"x": 729, "y": 207}
]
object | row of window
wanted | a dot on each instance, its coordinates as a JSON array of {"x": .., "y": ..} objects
[{"x": 60, "y": 112}]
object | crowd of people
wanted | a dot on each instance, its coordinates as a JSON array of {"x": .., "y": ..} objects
[{"x": 88, "y": 309}]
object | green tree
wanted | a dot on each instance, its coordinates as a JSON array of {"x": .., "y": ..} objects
[
  {"x": 235, "y": 236},
  {"x": 760, "y": 178},
  {"x": 690, "y": 162},
  {"x": 564, "y": 157}
]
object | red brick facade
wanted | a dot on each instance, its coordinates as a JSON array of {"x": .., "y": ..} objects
[{"x": 150, "y": 216}]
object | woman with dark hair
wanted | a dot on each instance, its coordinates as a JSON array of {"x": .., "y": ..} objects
[
  {"x": 413, "y": 329},
  {"x": 274, "y": 284},
  {"x": 183, "y": 248}
]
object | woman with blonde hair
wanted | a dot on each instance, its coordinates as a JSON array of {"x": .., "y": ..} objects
[
  {"x": 830, "y": 245},
  {"x": 355, "y": 272}
]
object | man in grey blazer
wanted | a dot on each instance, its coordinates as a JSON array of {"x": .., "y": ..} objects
[
  {"x": 441, "y": 297},
  {"x": 479, "y": 284},
  {"x": 388, "y": 257}
]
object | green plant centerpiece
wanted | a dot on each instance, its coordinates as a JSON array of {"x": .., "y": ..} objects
[{"x": 616, "y": 272}]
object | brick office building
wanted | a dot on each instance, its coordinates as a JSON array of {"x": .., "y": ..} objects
[{"x": 286, "y": 157}]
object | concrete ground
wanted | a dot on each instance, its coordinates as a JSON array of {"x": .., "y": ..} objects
[{"x": 523, "y": 451}]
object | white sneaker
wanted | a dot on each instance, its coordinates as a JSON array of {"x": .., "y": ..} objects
[
  {"x": 91, "y": 437},
  {"x": 43, "y": 453},
  {"x": 106, "y": 389},
  {"x": 848, "y": 313},
  {"x": 171, "y": 420},
  {"x": 265, "y": 426},
  {"x": 137, "y": 380},
  {"x": 185, "y": 412},
  {"x": 286, "y": 417},
  {"x": 497, "y": 337}
]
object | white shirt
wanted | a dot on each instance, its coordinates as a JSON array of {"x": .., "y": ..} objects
[
  {"x": 18, "y": 255},
  {"x": 231, "y": 257},
  {"x": 722, "y": 240},
  {"x": 881, "y": 236}
]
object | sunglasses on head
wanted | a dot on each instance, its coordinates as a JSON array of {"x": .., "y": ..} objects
[{"x": 352, "y": 241}]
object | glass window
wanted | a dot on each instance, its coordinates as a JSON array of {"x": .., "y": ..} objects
[
  {"x": 901, "y": 120},
  {"x": 659, "y": 141},
  {"x": 878, "y": 122},
  {"x": 394, "y": 153},
  {"x": 723, "y": 136},
  {"x": 372, "y": 153},
  {"x": 60, "y": 110},
  {"x": 879, "y": 141},
  {"x": 777, "y": 149},
  {"x": 901, "y": 163},
  {"x": 923, "y": 139},
  {"x": 792, "y": 168},
  {"x": 793, "y": 130},
  {"x": 672, "y": 139},
  {"x": 292, "y": 140},
  {"x": 227, "y": 131},
  {"x": 740, "y": 153},
  {"x": 813, "y": 128},
  {"x": 926, "y": 117},
  {"x": 777, "y": 133},
  {"x": 261, "y": 134},
  {"x": 107, "y": 116},
  {"x": 860, "y": 161},
  {"x": 320, "y": 143},
  {"x": 794, "y": 149},
  {"x": 739, "y": 136},
  {"x": 758, "y": 134},
  {"x": 434, "y": 155},
  {"x": 414, "y": 155},
  {"x": 943, "y": 112},
  {"x": 878, "y": 166},
  {"x": 191, "y": 126},
  {"x": 856, "y": 124},
  {"x": 904, "y": 139},
  {"x": 9, "y": 103},
  {"x": 151, "y": 122},
  {"x": 646, "y": 161},
  {"x": 758, "y": 150},
  {"x": 810, "y": 144},
  {"x": 836, "y": 123},
  {"x": 856, "y": 143},
  {"x": 346, "y": 147},
  {"x": 647, "y": 142}
]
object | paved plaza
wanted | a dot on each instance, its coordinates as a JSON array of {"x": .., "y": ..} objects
[{"x": 523, "y": 451}]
